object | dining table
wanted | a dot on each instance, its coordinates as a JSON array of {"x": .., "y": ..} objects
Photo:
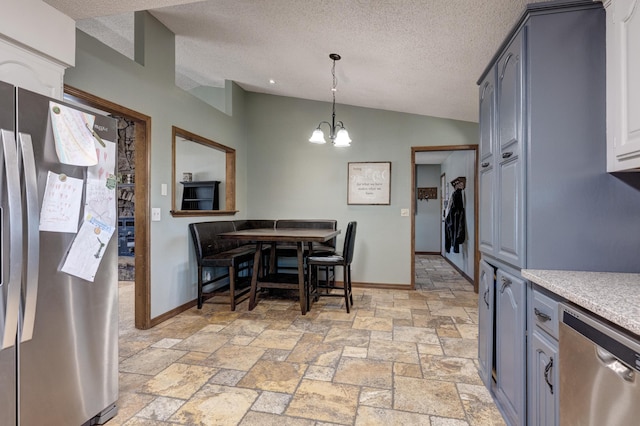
[{"x": 271, "y": 237}]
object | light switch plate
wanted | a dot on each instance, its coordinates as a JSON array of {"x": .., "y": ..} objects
[
  {"x": 155, "y": 214},
  {"x": 404, "y": 212},
  {"x": 163, "y": 189}
]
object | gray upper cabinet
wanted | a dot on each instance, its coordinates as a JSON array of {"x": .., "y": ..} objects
[
  {"x": 546, "y": 200},
  {"x": 487, "y": 169},
  {"x": 510, "y": 175},
  {"x": 500, "y": 174}
]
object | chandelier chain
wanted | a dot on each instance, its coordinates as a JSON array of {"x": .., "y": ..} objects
[{"x": 335, "y": 80}]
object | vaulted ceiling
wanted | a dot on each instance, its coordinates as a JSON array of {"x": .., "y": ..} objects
[{"x": 415, "y": 56}]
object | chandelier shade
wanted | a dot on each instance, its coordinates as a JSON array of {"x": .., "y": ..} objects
[
  {"x": 317, "y": 136},
  {"x": 337, "y": 131}
]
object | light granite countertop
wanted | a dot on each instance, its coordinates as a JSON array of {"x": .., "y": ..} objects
[{"x": 613, "y": 296}]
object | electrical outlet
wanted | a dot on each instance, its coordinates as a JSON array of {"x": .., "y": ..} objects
[
  {"x": 155, "y": 214},
  {"x": 404, "y": 212}
]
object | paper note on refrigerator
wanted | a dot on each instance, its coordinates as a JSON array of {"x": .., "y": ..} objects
[
  {"x": 73, "y": 133},
  {"x": 87, "y": 249},
  {"x": 60, "y": 210},
  {"x": 100, "y": 192}
]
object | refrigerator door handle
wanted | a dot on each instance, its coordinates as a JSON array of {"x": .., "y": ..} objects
[
  {"x": 14, "y": 264},
  {"x": 33, "y": 236}
]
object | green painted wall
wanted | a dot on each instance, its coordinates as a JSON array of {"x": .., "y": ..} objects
[
  {"x": 291, "y": 178},
  {"x": 150, "y": 89}
]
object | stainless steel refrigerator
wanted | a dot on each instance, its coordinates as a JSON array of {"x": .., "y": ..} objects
[{"x": 58, "y": 333}]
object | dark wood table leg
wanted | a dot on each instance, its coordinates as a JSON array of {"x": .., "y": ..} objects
[
  {"x": 307, "y": 275},
  {"x": 301, "y": 282},
  {"x": 257, "y": 264},
  {"x": 272, "y": 258}
]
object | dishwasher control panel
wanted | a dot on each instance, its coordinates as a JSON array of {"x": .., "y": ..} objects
[{"x": 612, "y": 342}]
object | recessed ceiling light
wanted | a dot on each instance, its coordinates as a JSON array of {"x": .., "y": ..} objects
[{"x": 272, "y": 81}]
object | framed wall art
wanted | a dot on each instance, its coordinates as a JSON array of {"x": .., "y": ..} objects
[
  {"x": 427, "y": 194},
  {"x": 369, "y": 183}
]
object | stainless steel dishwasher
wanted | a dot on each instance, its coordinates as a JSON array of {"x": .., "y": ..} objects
[{"x": 599, "y": 372}]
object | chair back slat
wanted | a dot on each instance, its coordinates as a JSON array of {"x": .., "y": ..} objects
[{"x": 349, "y": 242}]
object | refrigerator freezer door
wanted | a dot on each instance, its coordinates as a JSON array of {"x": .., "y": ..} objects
[{"x": 69, "y": 369}]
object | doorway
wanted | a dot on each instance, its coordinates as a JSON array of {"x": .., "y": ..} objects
[
  {"x": 142, "y": 123},
  {"x": 443, "y": 171}
]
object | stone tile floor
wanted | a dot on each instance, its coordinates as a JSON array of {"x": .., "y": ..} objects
[{"x": 399, "y": 358}]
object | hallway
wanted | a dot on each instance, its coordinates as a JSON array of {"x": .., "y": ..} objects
[
  {"x": 435, "y": 273},
  {"x": 399, "y": 358}
]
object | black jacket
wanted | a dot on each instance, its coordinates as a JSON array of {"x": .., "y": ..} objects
[{"x": 454, "y": 223}]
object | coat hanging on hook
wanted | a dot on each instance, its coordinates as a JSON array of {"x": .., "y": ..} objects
[{"x": 455, "y": 228}]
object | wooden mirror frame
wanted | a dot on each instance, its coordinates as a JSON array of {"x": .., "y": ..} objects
[{"x": 229, "y": 206}]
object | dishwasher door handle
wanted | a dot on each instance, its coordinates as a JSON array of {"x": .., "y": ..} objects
[{"x": 612, "y": 363}]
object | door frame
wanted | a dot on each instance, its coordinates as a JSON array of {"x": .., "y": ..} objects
[
  {"x": 142, "y": 287},
  {"x": 476, "y": 252}
]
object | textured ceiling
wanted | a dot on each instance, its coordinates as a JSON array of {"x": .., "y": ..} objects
[{"x": 415, "y": 56}]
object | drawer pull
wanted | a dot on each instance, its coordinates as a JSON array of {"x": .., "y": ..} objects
[
  {"x": 507, "y": 154},
  {"x": 547, "y": 373},
  {"x": 543, "y": 317},
  {"x": 485, "y": 164}
]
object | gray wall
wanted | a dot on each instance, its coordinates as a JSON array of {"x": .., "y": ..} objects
[
  {"x": 428, "y": 218},
  {"x": 279, "y": 174},
  {"x": 462, "y": 163}
]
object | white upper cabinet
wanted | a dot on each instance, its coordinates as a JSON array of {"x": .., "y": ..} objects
[
  {"x": 623, "y": 85},
  {"x": 35, "y": 52}
]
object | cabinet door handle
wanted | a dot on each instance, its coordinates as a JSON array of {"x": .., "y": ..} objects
[
  {"x": 486, "y": 302},
  {"x": 485, "y": 164},
  {"x": 547, "y": 373},
  {"x": 507, "y": 154},
  {"x": 505, "y": 283},
  {"x": 543, "y": 317}
]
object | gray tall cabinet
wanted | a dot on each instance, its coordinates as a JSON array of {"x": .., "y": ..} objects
[{"x": 546, "y": 201}]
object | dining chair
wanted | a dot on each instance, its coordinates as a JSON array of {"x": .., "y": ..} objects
[{"x": 330, "y": 263}]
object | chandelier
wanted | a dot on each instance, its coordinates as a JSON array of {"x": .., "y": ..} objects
[{"x": 337, "y": 132}]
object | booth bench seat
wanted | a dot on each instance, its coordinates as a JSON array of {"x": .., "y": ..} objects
[{"x": 232, "y": 257}]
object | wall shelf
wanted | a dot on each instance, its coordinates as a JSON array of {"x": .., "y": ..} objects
[{"x": 200, "y": 195}]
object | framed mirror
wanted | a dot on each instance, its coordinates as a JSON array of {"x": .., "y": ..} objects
[{"x": 203, "y": 178}]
